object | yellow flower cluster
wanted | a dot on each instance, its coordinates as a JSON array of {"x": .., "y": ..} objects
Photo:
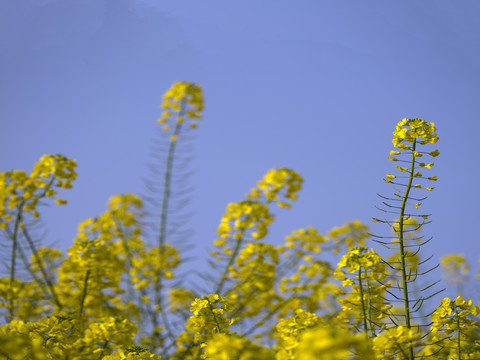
[
  {"x": 361, "y": 260},
  {"x": 97, "y": 260},
  {"x": 253, "y": 275},
  {"x": 452, "y": 315},
  {"x": 310, "y": 283},
  {"x": 308, "y": 239},
  {"x": 305, "y": 337},
  {"x": 332, "y": 343},
  {"x": 67, "y": 337},
  {"x": 413, "y": 131},
  {"x": 453, "y": 328},
  {"x": 249, "y": 219},
  {"x": 242, "y": 216},
  {"x": 231, "y": 346},
  {"x": 278, "y": 181},
  {"x": 182, "y": 101},
  {"x": 290, "y": 330},
  {"x": 410, "y": 130},
  {"x": 152, "y": 263},
  {"x": 364, "y": 305},
  {"x": 395, "y": 343},
  {"x": 24, "y": 299},
  {"x": 350, "y": 235},
  {"x": 456, "y": 268},
  {"x": 209, "y": 318},
  {"x": 22, "y": 191},
  {"x": 309, "y": 279}
]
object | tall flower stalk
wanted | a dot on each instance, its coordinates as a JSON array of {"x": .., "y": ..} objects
[
  {"x": 408, "y": 136},
  {"x": 169, "y": 187}
]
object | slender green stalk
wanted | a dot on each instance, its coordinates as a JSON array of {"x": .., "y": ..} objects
[
  {"x": 168, "y": 180},
  {"x": 163, "y": 219},
  {"x": 84, "y": 292},
  {"x": 459, "y": 350},
  {"x": 217, "y": 325},
  {"x": 18, "y": 220},
  {"x": 369, "y": 309},
  {"x": 402, "y": 248},
  {"x": 362, "y": 302},
  {"x": 230, "y": 263}
]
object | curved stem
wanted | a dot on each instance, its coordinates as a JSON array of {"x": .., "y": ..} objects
[{"x": 402, "y": 247}]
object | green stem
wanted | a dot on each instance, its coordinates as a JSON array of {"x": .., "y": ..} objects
[
  {"x": 210, "y": 307},
  {"x": 168, "y": 180},
  {"x": 362, "y": 302},
  {"x": 84, "y": 292},
  {"x": 230, "y": 263},
  {"x": 402, "y": 248},
  {"x": 459, "y": 351},
  {"x": 163, "y": 217},
  {"x": 18, "y": 220},
  {"x": 369, "y": 307}
]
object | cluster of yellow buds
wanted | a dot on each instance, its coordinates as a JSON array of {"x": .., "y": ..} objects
[
  {"x": 290, "y": 331},
  {"x": 182, "y": 101},
  {"x": 410, "y": 130},
  {"x": 209, "y": 317},
  {"x": 302, "y": 241},
  {"x": 361, "y": 259},
  {"x": 23, "y": 191},
  {"x": 413, "y": 131},
  {"x": 243, "y": 215},
  {"x": 276, "y": 180}
]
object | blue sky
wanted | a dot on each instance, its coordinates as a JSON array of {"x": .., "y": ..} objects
[{"x": 317, "y": 86}]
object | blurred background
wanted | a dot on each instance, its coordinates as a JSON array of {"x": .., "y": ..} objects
[{"x": 316, "y": 86}]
